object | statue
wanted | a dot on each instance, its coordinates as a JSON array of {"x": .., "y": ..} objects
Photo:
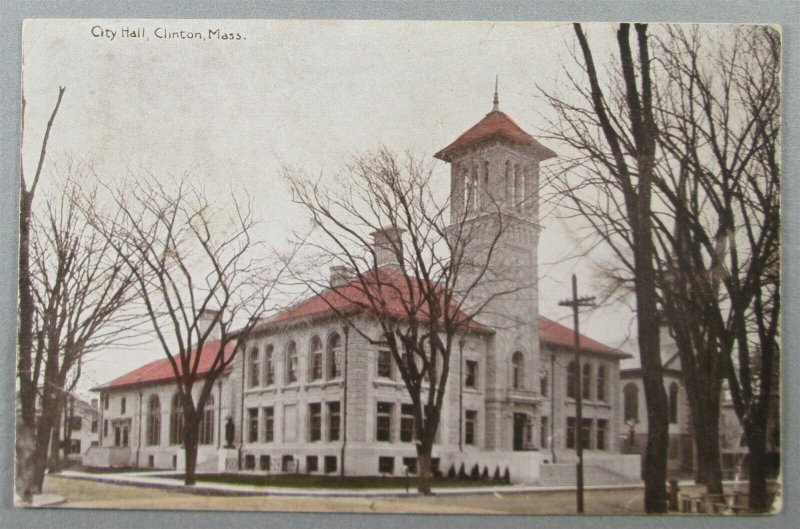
[{"x": 229, "y": 432}]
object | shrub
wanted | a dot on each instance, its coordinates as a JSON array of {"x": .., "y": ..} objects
[
  {"x": 485, "y": 474},
  {"x": 507, "y": 477},
  {"x": 496, "y": 478},
  {"x": 451, "y": 474},
  {"x": 475, "y": 473},
  {"x": 462, "y": 474}
]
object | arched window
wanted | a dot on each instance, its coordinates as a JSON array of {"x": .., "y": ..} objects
[
  {"x": 253, "y": 369},
  {"x": 630, "y": 395},
  {"x": 465, "y": 181},
  {"x": 176, "y": 420},
  {"x": 572, "y": 381},
  {"x": 673, "y": 403},
  {"x": 544, "y": 383},
  {"x": 291, "y": 362},
  {"x": 509, "y": 184},
  {"x": 586, "y": 383},
  {"x": 315, "y": 359},
  {"x": 517, "y": 370},
  {"x": 153, "y": 421},
  {"x": 269, "y": 366},
  {"x": 334, "y": 356},
  {"x": 601, "y": 383},
  {"x": 207, "y": 423},
  {"x": 473, "y": 188},
  {"x": 519, "y": 186}
]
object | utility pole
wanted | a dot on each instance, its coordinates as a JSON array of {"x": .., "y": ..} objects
[{"x": 576, "y": 303}]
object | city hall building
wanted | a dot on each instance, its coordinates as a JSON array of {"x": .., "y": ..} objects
[{"x": 312, "y": 394}]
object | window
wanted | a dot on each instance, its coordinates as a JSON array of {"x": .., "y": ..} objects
[
  {"x": 411, "y": 464},
  {"x": 74, "y": 446},
  {"x": 315, "y": 359},
  {"x": 75, "y": 424},
  {"x": 312, "y": 463},
  {"x": 207, "y": 423},
  {"x": 386, "y": 465},
  {"x": 122, "y": 405},
  {"x": 570, "y": 432},
  {"x": 176, "y": 420},
  {"x": 630, "y": 394},
  {"x": 105, "y": 401},
  {"x": 586, "y": 382},
  {"x": 291, "y": 363},
  {"x": 330, "y": 464},
  {"x": 544, "y": 382},
  {"x": 517, "y": 370},
  {"x": 334, "y": 356},
  {"x": 384, "y": 422},
  {"x": 471, "y": 419},
  {"x": 334, "y": 421},
  {"x": 105, "y": 428},
  {"x": 264, "y": 463},
  {"x": 406, "y": 423},
  {"x": 287, "y": 464},
  {"x": 153, "y": 421},
  {"x": 572, "y": 381},
  {"x": 253, "y": 368},
  {"x": 94, "y": 425},
  {"x": 586, "y": 434},
  {"x": 314, "y": 422},
  {"x": 249, "y": 462},
  {"x": 544, "y": 433},
  {"x": 269, "y": 424},
  {"x": 385, "y": 363},
  {"x": 151, "y": 461},
  {"x": 269, "y": 367},
  {"x": 602, "y": 428},
  {"x": 252, "y": 425},
  {"x": 673, "y": 403},
  {"x": 471, "y": 380},
  {"x": 601, "y": 383}
]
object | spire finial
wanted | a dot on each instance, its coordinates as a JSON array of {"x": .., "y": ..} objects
[{"x": 496, "y": 106}]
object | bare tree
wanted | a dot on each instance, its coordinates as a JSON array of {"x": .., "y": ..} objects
[
  {"x": 80, "y": 290},
  {"x": 25, "y": 482},
  {"x": 613, "y": 128},
  {"x": 198, "y": 272},
  {"x": 423, "y": 281}
]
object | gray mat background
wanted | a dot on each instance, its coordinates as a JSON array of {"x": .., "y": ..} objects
[{"x": 12, "y": 13}]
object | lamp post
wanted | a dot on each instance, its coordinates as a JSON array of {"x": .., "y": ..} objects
[{"x": 576, "y": 303}]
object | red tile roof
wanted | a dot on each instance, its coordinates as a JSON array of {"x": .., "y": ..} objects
[
  {"x": 161, "y": 370},
  {"x": 495, "y": 124},
  {"x": 398, "y": 292},
  {"x": 556, "y": 334}
]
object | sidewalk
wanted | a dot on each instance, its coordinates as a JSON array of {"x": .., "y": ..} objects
[{"x": 156, "y": 480}]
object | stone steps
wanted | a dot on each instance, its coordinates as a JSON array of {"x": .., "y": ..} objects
[{"x": 564, "y": 475}]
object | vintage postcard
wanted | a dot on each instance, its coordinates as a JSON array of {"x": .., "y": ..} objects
[{"x": 361, "y": 266}]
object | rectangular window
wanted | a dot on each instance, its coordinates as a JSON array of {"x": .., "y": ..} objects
[
  {"x": 602, "y": 428},
  {"x": 287, "y": 464},
  {"x": 385, "y": 363},
  {"x": 269, "y": 367},
  {"x": 105, "y": 428},
  {"x": 586, "y": 382},
  {"x": 544, "y": 383},
  {"x": 269, "y": 424},
  {"x": 471, "y": 380},
  {"x": 151, "y": 461},
  {"x": 384, "y": 422},
  {"x": 75, "y": 446},
  {"x": 94, "y": 425},
  {"x": 586, "y": 434},
  {"x": 249, "y": 462},
  {"x": 314, "y": 422},
  {"x": 252, "y": 423},
  {"x": 330, "y": 464},
  {"x": 312, "y": 463},
  {"x": 601, "y": 383},
  {"x": 122, "y": 406},
  {"x": 75, "y": 424},
  {"x": 411, "y": 464},
  {"x": 105, "y": 401},
  {"x": 264, "y": 463},
  {"x": 571, "y": 432},
  {"x": 386, "y": 465},
  {"x": 407, "y": 423},
  {"x": 470, "y": 423},
  {"x": 544, "y": 433},
  {"x": 334, "y": 421}
]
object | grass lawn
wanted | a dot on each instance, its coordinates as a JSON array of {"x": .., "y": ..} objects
[{"x": 329, "y": 482}]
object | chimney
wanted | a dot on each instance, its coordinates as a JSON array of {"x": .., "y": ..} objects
[
  {"x": 205, "y": 320},
  {"x": 388, "y": 246},
  {"x": 340, "y": 275}
]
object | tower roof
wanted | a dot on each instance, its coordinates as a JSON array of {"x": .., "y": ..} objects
[{"x": 495, "y": 125}]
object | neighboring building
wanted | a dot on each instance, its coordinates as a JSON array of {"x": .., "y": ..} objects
[
  {"x": 312, "y": 393},
  {"x": 80, "y": 428}
]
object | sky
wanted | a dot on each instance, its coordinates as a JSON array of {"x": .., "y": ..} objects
[{"x": 305, "y": 94}]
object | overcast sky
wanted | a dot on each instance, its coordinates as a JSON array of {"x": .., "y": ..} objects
[{"x": 297, "y": 93}]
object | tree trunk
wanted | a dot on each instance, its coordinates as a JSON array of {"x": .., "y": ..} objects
[
  {"x": 44, "y": 432},
  {"x": 759, "y": 497},
  {"x": 425, "y": 467},
  {"x": 24, "y": 450},
  {"x": 54, "y": 462},
  {"x": 190, "y": 440}
]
